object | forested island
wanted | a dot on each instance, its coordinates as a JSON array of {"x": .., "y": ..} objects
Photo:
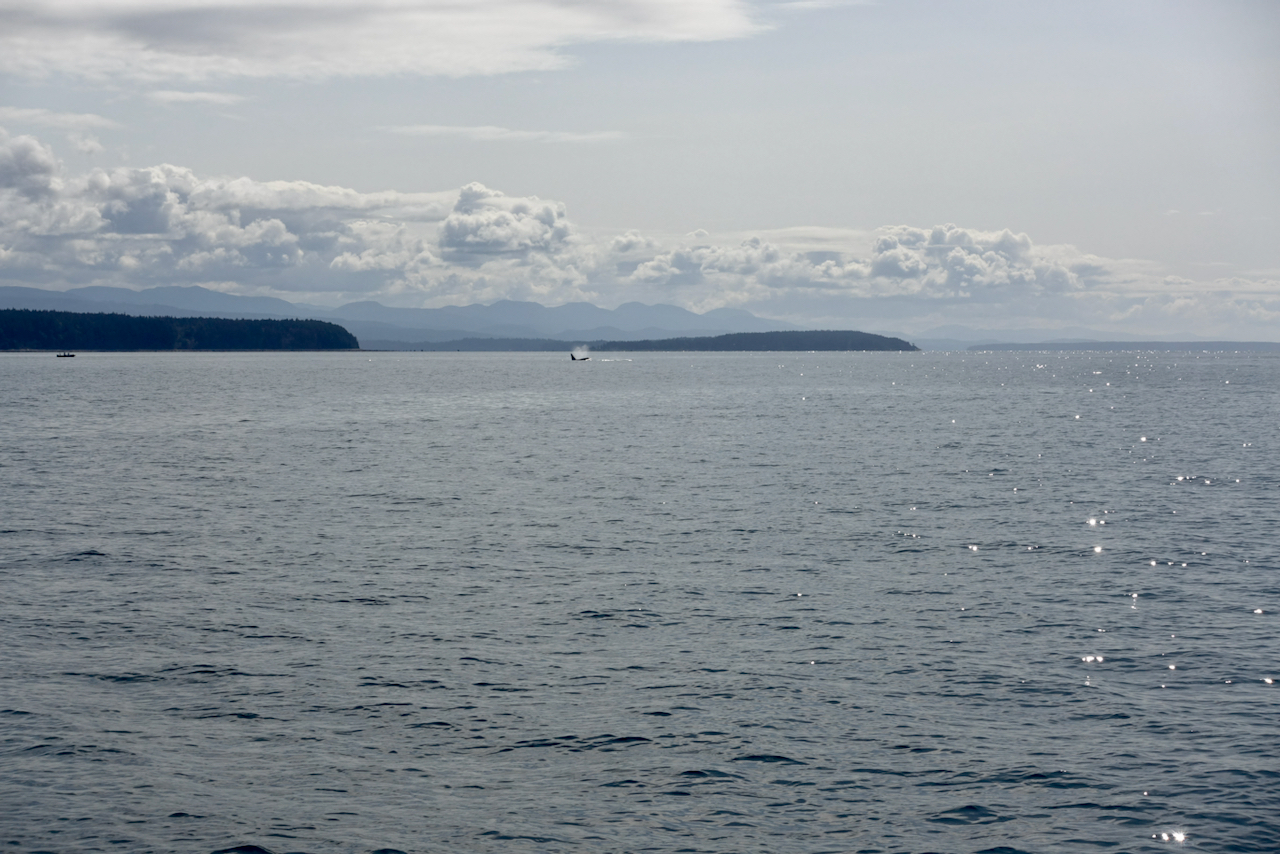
[
  {"x": 823, "y": 339},
  {"x": 23, "y": 329},
  {"x": 734, "y": 341}
]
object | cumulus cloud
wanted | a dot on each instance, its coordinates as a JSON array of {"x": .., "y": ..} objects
[
  {"x": 486, "y": 222},
  {"x": 632, "y": 242},
  {"x": 28, "y": 167},
  {"x": 166, "y": 39},
  {"x": 231, "y": 194},
  {"x": 86, "y": 143},
  {"x": 166, "y": 224},
  {"x": 911, "y": 279},
  {"x": 945, "y": 262},
  {"x": 489, "y": 133}
]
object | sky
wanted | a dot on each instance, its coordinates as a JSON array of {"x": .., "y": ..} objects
[{"x": 902, "y": 165}]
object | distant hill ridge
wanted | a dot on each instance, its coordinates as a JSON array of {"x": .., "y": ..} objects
[{"x": 407, "y": 328}]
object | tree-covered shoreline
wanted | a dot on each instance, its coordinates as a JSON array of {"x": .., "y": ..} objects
[
  {"x": 26, "y": 329},
  {"x": 788, "y": 341},
  {"x": 819, "y": 339}
]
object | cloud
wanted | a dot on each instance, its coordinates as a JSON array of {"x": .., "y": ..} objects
[
  {"x": 236, "y": 194},
  {"x": 632, "y": 242},
  {"x": 49, "y": 119},
  {"x": 86, "y": 144},
  {"x": 945, "y": 262},
  {"x": 170, "y": 96},
  {"x": 28, "y": 167},
  {"x": 485, "y": 222},
  {"x": 208, "y": 39},
  {"x": 489, "y": 133},
  {"x": 166, "y": 224},
  {"x": 910, "y": 279}
]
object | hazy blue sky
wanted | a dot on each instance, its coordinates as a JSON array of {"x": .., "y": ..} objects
[{"x": 896, "y": 165}]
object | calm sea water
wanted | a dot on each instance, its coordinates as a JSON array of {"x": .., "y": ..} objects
[{"x": 690, "y": 603}]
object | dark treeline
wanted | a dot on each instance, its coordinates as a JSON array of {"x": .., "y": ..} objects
[
  {"x": 22, "y": 329},
  {"x": 740, "y": 341},
  {"x": 815, "y": 340}
]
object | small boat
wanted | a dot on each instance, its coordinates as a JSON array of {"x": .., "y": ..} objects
[{"x": 66, "y": 355}]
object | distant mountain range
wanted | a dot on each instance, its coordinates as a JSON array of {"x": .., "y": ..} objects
[
  {"x": 380, "y": 327},
  {"x": 387, "y": 328}
]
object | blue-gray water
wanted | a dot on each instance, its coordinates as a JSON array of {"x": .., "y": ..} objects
[{"x": 699, "y": 603}]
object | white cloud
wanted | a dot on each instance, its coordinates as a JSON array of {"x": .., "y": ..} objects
[
  {"x": 245, "y": 193},
  {"x": 486, "y": 222},
  {"x": 171, "y": 96},
  {"x": 489, "y": 133},
  {"x": 27, "y": 166},
  {"x": 86, "y": 143},
  {"x": 911, "y": 279},
  {"x": 384, "y": 247},
  {"x": 945, "y": 262},
  {"x": 50, "y": 119},
  {"x": 168, "y": 225},
  {"x": 633, "y": 242},
  {"x": 206, "y": 39}
]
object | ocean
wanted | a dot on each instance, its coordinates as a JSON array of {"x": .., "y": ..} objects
[{"x": 664, "y": 602}]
